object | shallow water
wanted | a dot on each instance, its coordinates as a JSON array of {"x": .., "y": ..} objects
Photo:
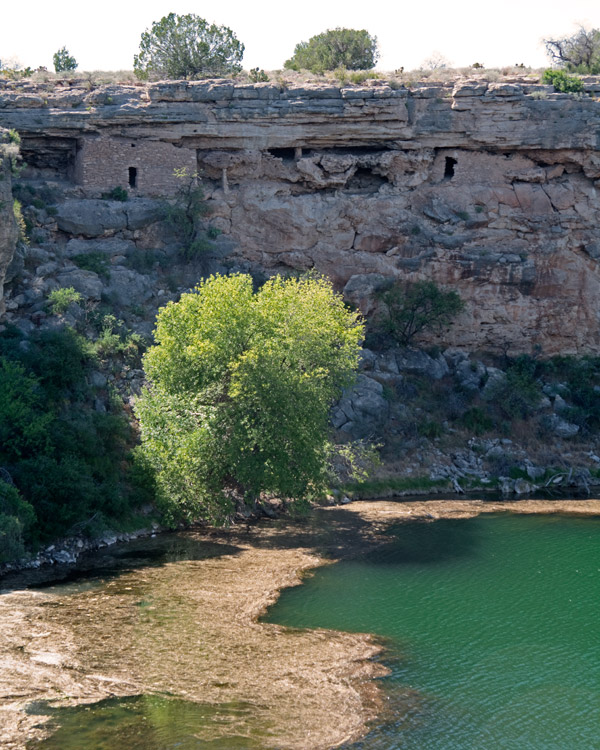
[{"x": 494, "y": 623}]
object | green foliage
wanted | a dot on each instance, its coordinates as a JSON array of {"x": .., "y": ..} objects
[
  {"x": 17, "y": 517},
  {"x": 14, "y": 137},
  {"x": 518, "y": 395},
  {"x": 117, "y": 193},
  {"x": 96, "y": 262},
  {"x": 335, "y": 48},
  {"x": 563, "y": 82},
  {"x": 187, "y": 47},
  {"x": 581, "y": 378},
  {"x": 430, "y": 429},
  {"x": 578, "y": 53},
  {"x": 116, "y": 339},
  {"x": 60, "y": 299},
  {"x": 68, "y": 462},
  {"x": 21, "y": 223},
  {"x": 185, "y": 215},
  {"x": 409, "y": 310},
  {"x": 258, "y": 75},
  {"x": 476, "y": 421},
  {"x": 240, "y": 389},
  {"x": 398, "y": 485},
  {"x": 63, "y": 62}
]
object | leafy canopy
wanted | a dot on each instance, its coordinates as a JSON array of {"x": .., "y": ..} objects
[
  {"x": 187, "y": 47},
  {"x": 63, "y": 61},
  {"x": 578, "y": 53},
  {"x": 336, "y": 48},
  {"x": 409, "y": 310},
  {"x": 240, "y": 389}
]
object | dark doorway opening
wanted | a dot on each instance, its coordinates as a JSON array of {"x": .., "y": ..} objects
[
  {"x": 132, "y": 177},
  {"x": 449, "y": 168}
]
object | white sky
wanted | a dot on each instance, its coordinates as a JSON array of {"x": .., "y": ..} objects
[{"x": 104, "y": 35}]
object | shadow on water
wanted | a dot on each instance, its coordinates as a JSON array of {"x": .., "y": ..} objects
[
  {"x": 149, "y": 722},
  {"x": 98, "y": 567},
  {"x": 427, "y": 543}
]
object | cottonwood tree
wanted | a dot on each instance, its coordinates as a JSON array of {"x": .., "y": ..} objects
[
  {"x": 578, "y": 53},
  {"x": 336, "y": 48},
  {"x": 187, "y": 47},
  {"x": 240, "y": 387}
]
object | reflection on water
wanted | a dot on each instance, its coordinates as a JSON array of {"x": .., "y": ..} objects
[{"x": 148, "y": 722}]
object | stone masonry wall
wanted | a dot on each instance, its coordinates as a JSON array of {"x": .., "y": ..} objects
[{"x": 105, "y": 163}]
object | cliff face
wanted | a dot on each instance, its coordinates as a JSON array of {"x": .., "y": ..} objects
[
  {"x": 8, "y": 226},
  {"x": 487, "y": 188}
]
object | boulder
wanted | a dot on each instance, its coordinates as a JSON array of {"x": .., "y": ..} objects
[
  {"x": 86, "y": 283},
  {"x": 560, "y": 427},
  {"x": 420, "y": 363},
  {"x": 91, "y": 218}
]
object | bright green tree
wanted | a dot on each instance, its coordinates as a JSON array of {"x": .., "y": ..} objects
[
  {"x": 335, "y": 48},
  {"x": 187, "y": 47},
  {"x": 241, "y": 384},
  {"x": 63, "y": 61}
]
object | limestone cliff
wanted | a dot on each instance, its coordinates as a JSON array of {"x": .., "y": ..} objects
[
  {"x": 486, "y": 187},
  {"x": 8, "y": 226}
]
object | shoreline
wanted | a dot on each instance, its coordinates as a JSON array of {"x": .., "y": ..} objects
[{"x": 81, "y": 647}]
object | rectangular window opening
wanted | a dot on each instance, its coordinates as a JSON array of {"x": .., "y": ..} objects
[{"x": 132, "y": 177}]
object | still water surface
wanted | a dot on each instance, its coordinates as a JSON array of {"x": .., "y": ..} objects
[
  {"x": 495, "y": 622},
  {"x": 492, "y": 628}
]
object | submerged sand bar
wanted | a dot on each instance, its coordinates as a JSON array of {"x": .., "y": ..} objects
[{"x": 188, "y": 625}]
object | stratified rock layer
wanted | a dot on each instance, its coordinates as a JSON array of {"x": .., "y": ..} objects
[{"x": 488, "y": 188}]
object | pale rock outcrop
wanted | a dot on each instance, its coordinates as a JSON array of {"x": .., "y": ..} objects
[{"x": 486, "y": 188}]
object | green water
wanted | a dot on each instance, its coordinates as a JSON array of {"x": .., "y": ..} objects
[
  {"x": 492, "y": 625},
  {"x": 141, "y": 722}
]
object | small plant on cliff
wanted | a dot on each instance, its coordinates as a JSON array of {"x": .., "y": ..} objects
[
  {"x": 117, "y": 193},
  {"x": 187, "y": 47},
  {"x": 350, "y": 49},
  {"x": 562, "y": 82},
  {"x": 185, "y": 215},
  {"x": 60, "y": 299},
  {"x": 241, "y": 384},
  {"x": 258, "y": 75},
  {"x": 408, "y": 310},
  {"x": 63, "y": 61}
]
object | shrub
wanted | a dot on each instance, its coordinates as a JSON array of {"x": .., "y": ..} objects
[
  {"x": 335, "y": 48},
  {"x": 118, "y": 193},
  {"x": 187, "y": 47},
  {"x": 411, "y": 309},
  {"x": 257, "y": 75},
  {"x": 563, "y": 82},
  {"x": 60, "y": 299},
  {"x": 63, "y": 61},
  {"x": 21, "y": 223},
  {"x": 476, "y": 421},
  {"x": 69, "y": 462},
  {"x": 96, "y": 262},
  {"x": 17, "y": 516}
]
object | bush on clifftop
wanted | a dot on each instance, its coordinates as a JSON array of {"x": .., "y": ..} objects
[
  {"x": 336, "y": 48},
  {"x": 187, "y": 47}
]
